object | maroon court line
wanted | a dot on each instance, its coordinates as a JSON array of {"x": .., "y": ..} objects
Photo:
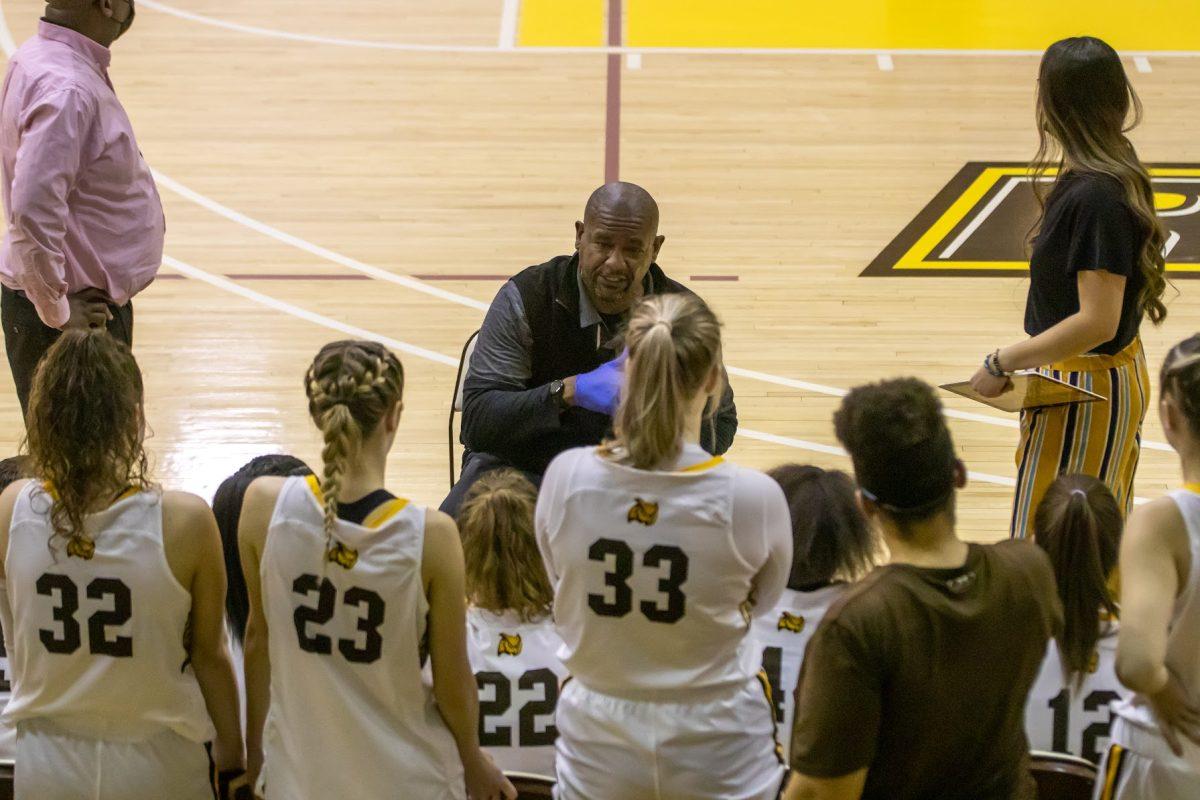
[{"x": 612, "y": 116}]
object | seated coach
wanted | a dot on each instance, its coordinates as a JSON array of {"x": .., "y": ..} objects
[{"x": 545, "y": 376}]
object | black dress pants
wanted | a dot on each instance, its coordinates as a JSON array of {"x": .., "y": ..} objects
[{"x": 27, "y": 338}]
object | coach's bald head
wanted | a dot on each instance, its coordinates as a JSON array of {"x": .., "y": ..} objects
[
  {"x": 102, "y": 21},
  {"x": 617, "y": 241}
]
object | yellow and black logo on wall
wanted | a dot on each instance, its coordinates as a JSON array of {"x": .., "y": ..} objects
[{"x": 979, "y": 224}]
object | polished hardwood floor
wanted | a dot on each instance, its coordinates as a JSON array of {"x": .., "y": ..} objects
[{"x": 411, "y": 138}]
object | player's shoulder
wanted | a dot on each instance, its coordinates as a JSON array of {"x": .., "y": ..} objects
[
  {"x": 569, "y": 462},
  {"x": 750, "y": 483}
]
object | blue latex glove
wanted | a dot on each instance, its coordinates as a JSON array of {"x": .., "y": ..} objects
[{"x": 600, "y": 389}]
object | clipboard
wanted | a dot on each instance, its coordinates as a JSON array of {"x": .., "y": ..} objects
[{"x": 1029, "y": 390}]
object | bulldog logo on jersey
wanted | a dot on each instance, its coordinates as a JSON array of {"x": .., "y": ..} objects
[
  {"x": 790, "y": 622},
  {"x": 643, "y": 511},
  {"x": 81, "y": 547},
  {"x": 510, "y": 645},
  {"x": 345, "y": 557}
]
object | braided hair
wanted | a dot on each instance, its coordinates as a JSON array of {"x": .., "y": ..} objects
[
  {"x": 351, "y": 386},
  {"x": 1180, "y": 378}
]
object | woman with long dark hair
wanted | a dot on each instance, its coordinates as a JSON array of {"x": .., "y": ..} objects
[{"x": 1095, "y": 271}]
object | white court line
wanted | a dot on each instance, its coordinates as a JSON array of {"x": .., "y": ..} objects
[
  {"x": 1172, "y": 240},
  {"x": 314, "y": 249},
  {"x": 304, "y": 314},
  {"x": 885, "y": 62},
  {"x": 367, "y": 44},
  {"x": 1143, "y": 64},
  {"x": 9, "y": 46},
  {"x": 980, "y": 218},
  {"x": 420, "y": 286},
  {"x": 449, "y": 361},
  {"x": 509, "y": 16}
]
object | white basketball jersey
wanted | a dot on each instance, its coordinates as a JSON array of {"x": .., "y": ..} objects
[
  {"x": 656, "y": 573},
  {"x": 1063, "y": 719},
  {"x": 518, "y": 672},
  {"x": 1183, "y": 643},
  {"x": 346, "y": 631},
  {"x": 783, "y": 636},
  {"x": 95, "y": 636},
  {"x": 8, "y": 733}
]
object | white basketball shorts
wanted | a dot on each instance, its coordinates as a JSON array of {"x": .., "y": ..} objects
[
  {"x": 614, "y": 749},
  {"x": 54, "y": 765}
]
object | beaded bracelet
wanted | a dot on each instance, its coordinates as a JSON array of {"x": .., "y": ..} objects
[{"x": 991, "y": 363}]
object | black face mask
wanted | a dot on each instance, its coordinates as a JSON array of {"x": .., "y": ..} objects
[{"x": 128, "y": 23}]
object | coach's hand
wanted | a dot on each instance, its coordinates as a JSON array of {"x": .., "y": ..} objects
[
  {"x": 89, "y": 309},
  {"x": 600, "y": 389},
  {"x": 988, "y": 385}
]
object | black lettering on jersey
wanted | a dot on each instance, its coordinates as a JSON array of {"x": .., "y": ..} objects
[
  {"x": 772, "y": 664},
  {"x": 5, "y": 678},
  {"x": 303, "y": 615},
  {"x": 621, "y": 569},
  {"x": 118, "y": 615},
  {"x": 494, "y": 706},
  {"x": 530, "y": 735},
  {"x": 1089, "y": 743},
  {"x": 69, "y": 638},
  {"x": 366, "y": 651},
  {"x": 372, "y": 646},
  {"x": 497, "y": 702}
]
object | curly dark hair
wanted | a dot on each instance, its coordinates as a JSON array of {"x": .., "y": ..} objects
[
  {"x": 902, "y": 451},
  {"x": 85, "y": 428}
]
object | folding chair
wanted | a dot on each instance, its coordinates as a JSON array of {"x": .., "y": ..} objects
[
  {"x": 1062, "y": 777},
  {"x": 456, "y": 402},
  {"x": 530, "y": 786}
]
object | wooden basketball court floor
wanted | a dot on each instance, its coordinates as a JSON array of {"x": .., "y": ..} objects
[{"x": 376, "y": 167}]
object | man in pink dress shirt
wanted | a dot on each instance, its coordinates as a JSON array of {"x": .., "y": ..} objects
[{"x": 85, "y": 225}]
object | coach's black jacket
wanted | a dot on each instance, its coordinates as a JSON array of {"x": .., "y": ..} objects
[{"x": 543, "y": 327}]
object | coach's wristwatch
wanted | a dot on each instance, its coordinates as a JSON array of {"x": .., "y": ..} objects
[{"x": 557, "y": 388}]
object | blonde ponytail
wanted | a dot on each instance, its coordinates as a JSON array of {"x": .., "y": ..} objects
[
  {"x": 674, "y": 343},
  {"x": 351, "y": 386}
]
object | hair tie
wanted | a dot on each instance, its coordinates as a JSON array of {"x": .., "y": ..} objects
[{"x": 1079, "y": 492}]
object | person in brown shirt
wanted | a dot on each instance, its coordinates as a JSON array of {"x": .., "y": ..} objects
[{"x": 914, "y": 684}]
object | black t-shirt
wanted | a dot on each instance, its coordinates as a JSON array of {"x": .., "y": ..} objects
[
  {"x": 920, "y": 675},
  {"x": 361, "y": 508},
  {"x": 1088, "y": 225}
]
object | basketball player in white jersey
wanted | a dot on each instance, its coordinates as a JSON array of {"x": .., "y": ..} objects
[
  {"x": 113, "y": 600},
  {"x": 832, "y": 544},
  {"x": 660, "y": 556},
  {"x": 510, "y": 631},
  {"x": 11, "y": 469},
  {"x": 351, "y": 588},
  {"x": 1155, "y": 750},
  {"x": 1078, "y": 524}
]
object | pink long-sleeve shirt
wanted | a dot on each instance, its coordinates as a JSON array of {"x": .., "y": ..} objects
[{"x": 81, "y": 207}]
